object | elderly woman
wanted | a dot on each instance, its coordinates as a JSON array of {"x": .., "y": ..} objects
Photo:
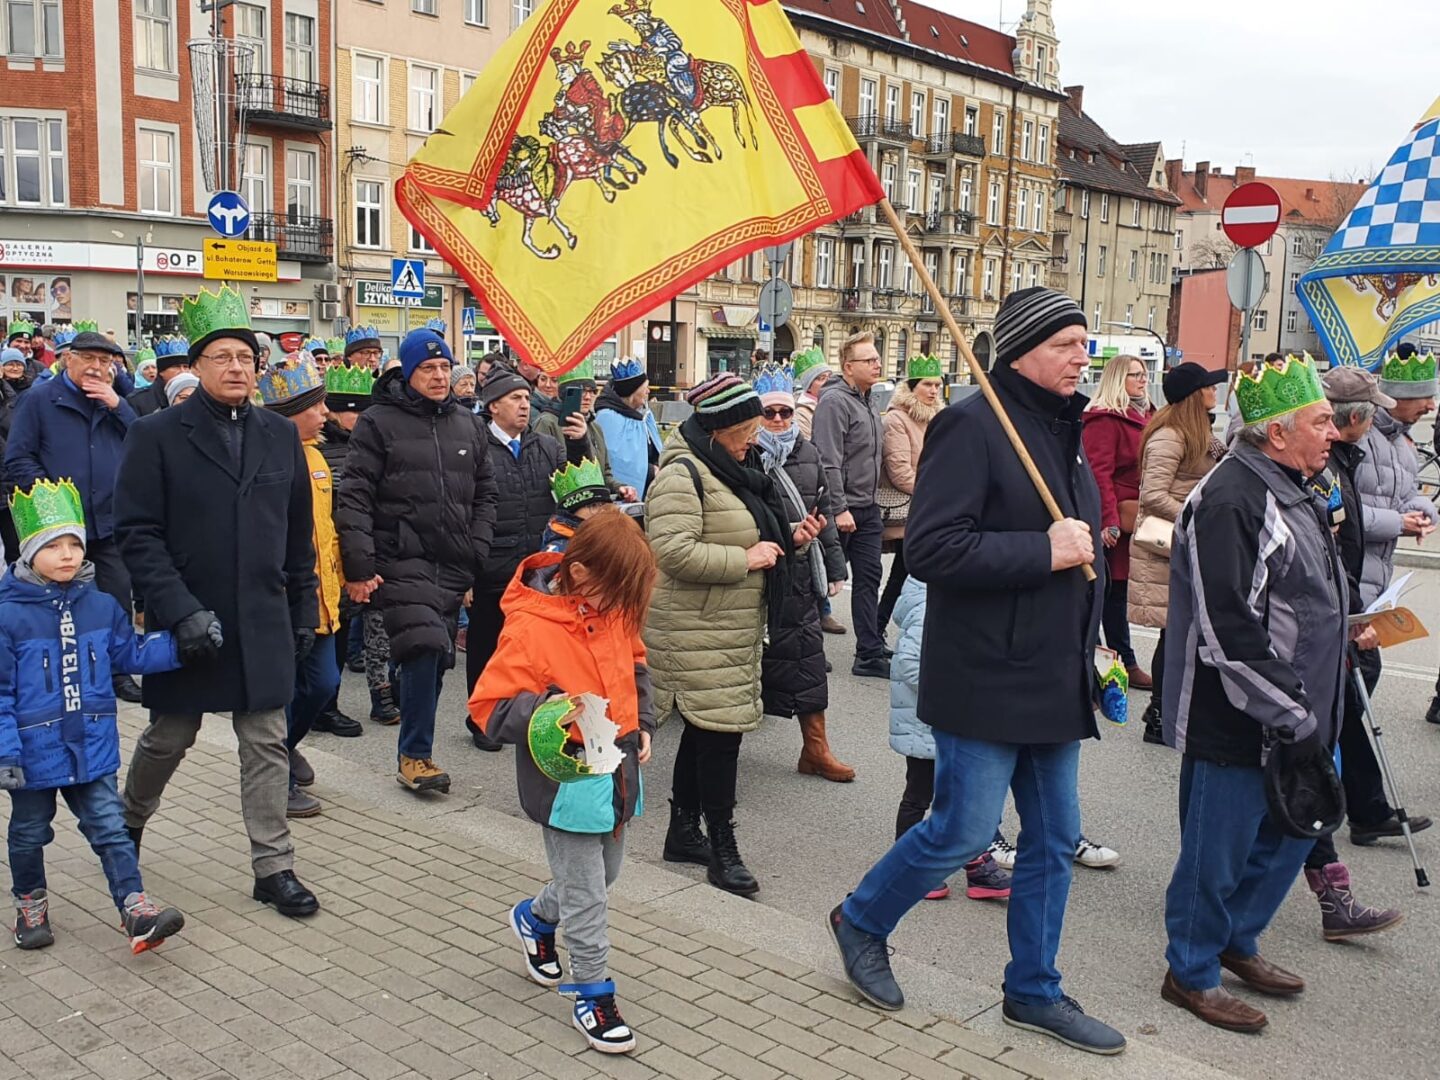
[
  {"x": 723, "y": 541},
  {"x": 145, "y": 370},
  {"x": 915, "y": 404},
  {"x": 464, "y": 386},
  {"x": 792, "y": 674}
]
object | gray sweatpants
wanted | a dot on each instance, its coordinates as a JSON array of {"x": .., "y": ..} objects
[
  {"x": 264, "y": 778},
  {"x": 584, "y": 866}
]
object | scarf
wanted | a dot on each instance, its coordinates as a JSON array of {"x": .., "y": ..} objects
[
  {"x": 775, "y": 449},
  {"x": 753, "y": 487},
  {"x": 1141, "y": 404},
  {"x": 814, "y": 555},
  {"x": 609, "y": 399}
]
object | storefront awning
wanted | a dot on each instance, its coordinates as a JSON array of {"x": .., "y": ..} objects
[{"x": 746, "y": 332}]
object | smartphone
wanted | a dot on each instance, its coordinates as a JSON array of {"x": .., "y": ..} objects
[
  {"x": 570, "y": 400},
  {"x": 819, "y": 498}
]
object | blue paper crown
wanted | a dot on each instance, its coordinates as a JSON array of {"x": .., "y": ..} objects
[
  {"x": 361, "y": 333},
  {"x": 172, "y": 346},
  {"x": 63, "y": 338},
  {"x": 438, "y": 325},
  {"x": 627, "y": 369},
  {"x": 775, "y": 379},
  {"x": 315, "y": 345},
  {"x": 290, "y": 380}
]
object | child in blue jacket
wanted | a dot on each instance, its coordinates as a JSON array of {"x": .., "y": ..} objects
[{"x": 60, "y": 640}]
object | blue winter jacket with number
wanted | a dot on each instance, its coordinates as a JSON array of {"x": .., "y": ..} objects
[{"x": 59, "y": 645}]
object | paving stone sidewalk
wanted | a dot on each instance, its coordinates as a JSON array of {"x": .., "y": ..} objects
[{"x": 409, "y": 970}]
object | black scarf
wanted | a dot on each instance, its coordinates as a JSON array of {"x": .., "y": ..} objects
[
  {"x": 609, "y": 399},
  {"x": 757, "y": 491}
]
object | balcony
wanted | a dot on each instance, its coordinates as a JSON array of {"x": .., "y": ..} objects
[
  {"x": 879, "y": 127},
  {"x": 284, "y": 102},
  {"x": 949, "y": 222},
  {"x": 943, "y": 144},
  {"x": 850, "y": 300},
  {"x": 960, "y": 305},
  {"x": 886, "y": 300},
  {"x": 304, "y": 239}
]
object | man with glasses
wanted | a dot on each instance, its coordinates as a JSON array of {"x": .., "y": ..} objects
[
  {"x": 363, "y": 348},
  {"x": 213, "y": 515},
  {"x": 848, "y": 434}
]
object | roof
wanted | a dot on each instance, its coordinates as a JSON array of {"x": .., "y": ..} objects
[
  {"x": 1322, "y": 203},
  {"x": 1114, "y": 168},
  {"x": 925, "y": 28}
]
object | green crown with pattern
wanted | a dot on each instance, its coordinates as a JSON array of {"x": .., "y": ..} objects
[
  {"x": 144, "y": 356},
  {"x": 85, "y": 326},
  {"x": 804, "y": 361},
  {"x": 335, "y": 346},
  {"x": 583, "y": 371},
  {"x": 48, "y": 505},
  {"x": 349, "y": 381},
  {"x": 206, "y": 312},
  {"x": 1278, "y": 392},
  {"x": 20, "y": 326},
  {"x": 576, "y": 480},
  {"x": 1415, "y": 369},
  {"x": 923, "y": 367}
]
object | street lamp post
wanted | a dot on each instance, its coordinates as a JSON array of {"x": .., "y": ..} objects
[
  {"x": 1132, "y": 328},
  {"x": 141, "y": 239}
]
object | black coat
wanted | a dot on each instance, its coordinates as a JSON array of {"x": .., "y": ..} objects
[
  {"x": 195, "y": 534},
  {"x": 149, "y": 399},
  {"x": 525, "y": 504},
  {"x": 417, "y": 507},
  {"x": 792, "y": 670},
  {"x": 1008, "y": 653}
]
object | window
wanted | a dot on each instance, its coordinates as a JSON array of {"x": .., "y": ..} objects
[
  {"x": 300, "y": 48},
  {"x": 1042, "y": 63},
  {"x": 967, "y": 193},
  {"x": 824, "y": 262},
  {"x": 942, "y": 114},
  {"x": 33, "y": 29},
  {"x": 1039, "y": 211},
  {"x": 369, "y": 210},
  {"x": 1129, "y": 314},
  {"x": 869, "y": 90},
  {"x": 1084, "y": 259},
  {"x": 250, "y": 30},
  {"x": 369, "y": 89},
  {"x": 419, "y": 243},
  {"x": 300, "y": 197},
  {"x": 1291, "y": 321},
  {"x": 912, "y": 190},
  {"x": 1022, "y": 208},
  {"x": 832, "y": 82},
  {"x": 1150, "y": 319},
  {"x": 1096, "y": 320},
  {"x": 475, "y": 13},
  {"x": 1085, "y": 203},
  {"x": 1134, "y": 265},
  {"x": 1104, "y": 206},
  {"x": 32, "y": 161},
  {"x": 256, "y": 188},
  {"x": 1297, "y": 245},
  {"x": 960, "y": 284},
  {"x": 1260, "y": 319},
  {"x": 884, "y": 257},
  {"x": 887, "y": 179},
  {"x": 936, "y": 202},
  {"x": 155, "y": 152},
  {"x": 1027, "y": 140},
  {"x": 988, "y": 280},
  {"x": 997, "y": 135},
  {"x": 1294, "y": 280},
  {"x": 423, "y": 7},
  {"x": 1034, "y": 274},
  {"x": 1179, "y": 240},
  {"x": 152, "y": 35},
  {"x": 992, "y": 207},
  {"x": 523, "y": 9},
  {"x": 892, "y": 103},
  {"x": 972, "y": 120},
  {"x": 424, "y": 82},
  {"x": 1100, "y": 263},
  {"x": 932, "y": 267},
  {"x": 917, "y": 113},
  {"x": 1015, "y": 276},
  {"x": 1043, "y": 149}
]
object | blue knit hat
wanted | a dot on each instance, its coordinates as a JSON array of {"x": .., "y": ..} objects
[{"x": 419, "y": 346}]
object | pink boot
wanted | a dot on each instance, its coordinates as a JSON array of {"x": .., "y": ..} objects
[{"x": 1342, "y": 916}]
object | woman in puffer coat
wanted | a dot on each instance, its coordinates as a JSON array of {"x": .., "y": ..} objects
[
  {"x": 915, "y": 404},
  {"x": 793, "y": 674},
  {"x": 723, "y": 545}
]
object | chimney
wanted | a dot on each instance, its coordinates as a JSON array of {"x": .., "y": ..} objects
[
  {"x": 1202, "y": 177},
  {"x": 1077, "y": 97},
  {"x": 1174, "y": 170},
  {"x": 900, "y": 19},
  {"x": 1310, "y": 195},
  {"x": 1244, "y": 174}
]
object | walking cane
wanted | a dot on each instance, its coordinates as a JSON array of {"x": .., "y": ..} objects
[{"x": 1372, "y": 731}]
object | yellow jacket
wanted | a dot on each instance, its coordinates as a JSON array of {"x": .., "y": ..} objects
[{"x": 327, "y": 540}]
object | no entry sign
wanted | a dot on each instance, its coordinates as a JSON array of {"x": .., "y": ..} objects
[{"x": 1251, "y": 215}]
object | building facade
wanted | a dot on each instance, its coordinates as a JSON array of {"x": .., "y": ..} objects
[{"x": 101, "y": 174}]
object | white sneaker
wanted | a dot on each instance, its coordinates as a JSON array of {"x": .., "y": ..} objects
[
  {"x": 1095, "y": 856},
  {"x": 1003, "y": 852}
]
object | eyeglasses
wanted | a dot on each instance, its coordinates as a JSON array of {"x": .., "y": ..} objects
[
  {"x": 1136, "y": 375},
  {"x": 779, "y": 413},
  {"x": 225, "y": 360}
]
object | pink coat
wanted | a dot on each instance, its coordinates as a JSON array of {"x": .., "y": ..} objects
[
  {"x": 905, "y": 424},
  {"x": 1112, "y": 443}
]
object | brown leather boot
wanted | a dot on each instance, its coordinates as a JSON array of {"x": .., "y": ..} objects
[
  {"x": 815, "y": 757},
  {"x": 1216, "y": 1006}
]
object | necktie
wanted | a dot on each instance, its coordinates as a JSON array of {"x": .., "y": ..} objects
[{"x": 515, "y": 448}]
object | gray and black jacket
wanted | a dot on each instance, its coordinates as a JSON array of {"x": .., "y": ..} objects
[
  {"x": 1256, "y": 647},
  {"x": 848, "y": 433}
]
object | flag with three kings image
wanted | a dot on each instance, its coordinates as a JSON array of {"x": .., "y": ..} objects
[{"x": 615, "y": 153}]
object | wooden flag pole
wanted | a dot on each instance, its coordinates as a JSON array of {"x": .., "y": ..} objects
[{"x": 977, "y": 372}]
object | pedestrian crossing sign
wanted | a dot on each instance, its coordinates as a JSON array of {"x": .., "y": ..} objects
[
  {"x": 467, "y": 321},
  {"x": 407, "y": 279}
]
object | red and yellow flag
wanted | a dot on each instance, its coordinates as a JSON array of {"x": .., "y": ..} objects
[{"x": 614, "y": 153}]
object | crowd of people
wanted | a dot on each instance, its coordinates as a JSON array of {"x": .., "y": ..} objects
[{"x": 275, "y": 512}]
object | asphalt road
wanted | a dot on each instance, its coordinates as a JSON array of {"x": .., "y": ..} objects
[{"x": 1369, "y": 1008}]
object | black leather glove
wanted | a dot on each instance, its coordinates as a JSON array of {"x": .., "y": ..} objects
[
  {"x": 11, "y": 777},
  {"x": 198, "y": 637},
  {"x": 304, "y": 642}
]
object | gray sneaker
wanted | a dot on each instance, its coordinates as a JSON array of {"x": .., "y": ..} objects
[
  {"x": 301, "y": 803},
  {"x": 866, "y": 959},
  {"x": 32, "y": 920},
  {"x": 1067, "y": 1022}
]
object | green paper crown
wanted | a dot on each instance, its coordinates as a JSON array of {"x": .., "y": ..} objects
[
  {"x": 335, "y": 346},
  {"x": 1275, "y": 393},
  {"x": 47, "y": 505},
  {"x": 576, "y": 483},
  {"x": 804, "y": 361},
  {"x": 585, "y": 370},
  {"x": 20, "y": 326},
  {"x": 207, "y": 312},
  {"x": 350, "y": 381},
  {"x": 85, "y": 326},
  {"x": 1416, "y": 369},
  {"x": 924, "y": 367},
  {"x": 144, "y": 356}
]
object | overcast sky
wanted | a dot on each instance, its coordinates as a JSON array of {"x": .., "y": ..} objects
[{"x": 1304, "y": 88}]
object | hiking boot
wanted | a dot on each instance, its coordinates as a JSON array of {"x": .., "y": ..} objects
[
  {"x": 1341, "y": 915},
  {"x": 334, "y": 722},
  {"x": 1003, "y": 852},
  {"x": 383, "y": 709},
  {"x": 815, "y": 756},
  {"x": 874, "y": 667},
  {"x": 1154, "y": 728},
  {"x": 866, "y": 960},
  {"x": 301, "y": 804},
  {"x": 1065, "y": 1021},
  {"x": 685, "y": 841},
  {"x": 1365, "y": 835},
  {"x": 537, "y": 942},
  {"x": 985, "y": 879},
  {"x": 727, "y": 870},
  {"x": 597, "y": 1017},
  {"x": 422, "y": 774},
  {"x": 126, "y": 689},
  {"x": 32, "y": 920},
  {"x": 1095, "y": 856},
  {"x": 284, "y": 891},
  {"x": 147, "y": 925},
  {"x": 300, "y": 770},
  {"x": 481, "y": 740},
  {"x": 832, "y": 625}
]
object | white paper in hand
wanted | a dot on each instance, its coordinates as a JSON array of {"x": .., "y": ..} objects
[{"x": 598, "y": 733}]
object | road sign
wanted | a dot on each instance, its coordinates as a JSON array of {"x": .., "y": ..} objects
[
  {"x": 407, "y": 279},
  {"x": 1251, "y": 215},
  {"x": 240, "y": 260},
  {"x": 467, "y": 321},
  {"x": 229, "y": 216},
  {"x": 1245, "y": 279},
  {"x": 777, "y": 255},
  {"x": 777, "y": 301}
]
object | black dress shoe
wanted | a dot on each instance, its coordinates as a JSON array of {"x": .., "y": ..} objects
[
  {"x": 126, "y": 689},
  {"x": 481, "y": 740},
  {"x": 337, "y": 723},
  {"x": 876, "y": 667},
  {"x": 285, "y": 893},
  {"x": 1365, "y": 835}
]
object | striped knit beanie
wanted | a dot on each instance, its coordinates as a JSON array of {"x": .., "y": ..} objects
[
  {"x": 723, "y": 401},
  {"x": 1030, "y": 317}
]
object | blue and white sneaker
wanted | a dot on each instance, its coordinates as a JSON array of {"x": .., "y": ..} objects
[
  {"x": 597, "y": 1017},
  {"x": 1067, "y": 1022},
  {"x": 537, "y": 942}
]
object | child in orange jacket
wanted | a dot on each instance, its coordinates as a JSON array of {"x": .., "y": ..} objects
[{"x": 572, "y": 627}]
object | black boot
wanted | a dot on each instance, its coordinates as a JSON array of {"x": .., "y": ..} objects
[
  {"x": 481, "y": 740},
  {"x": 383, "y": 709},
  {"x": 337, "y": 723},
  {"x": 136, "y": 832},
  {"x": 126, "y": 689},
  {"x": 1154, "y": 729},
  {"x": 727, "y": 869},
  {"x": 685, "y": 842},
  {"x": 1432, "y": 714}
]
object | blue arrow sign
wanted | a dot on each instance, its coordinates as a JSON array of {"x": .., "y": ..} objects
[
  {"x": 229, "y": 216},
  {"x": 407, "y": 279}
]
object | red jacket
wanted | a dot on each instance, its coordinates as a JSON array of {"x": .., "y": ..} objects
[{"x": 1112, "y": 443}]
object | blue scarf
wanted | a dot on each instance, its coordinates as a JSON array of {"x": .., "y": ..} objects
[{"x": 775, "y": 449}]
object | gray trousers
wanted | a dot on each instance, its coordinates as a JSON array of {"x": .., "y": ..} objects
[
  {"x": 264, "y": 778},
  {"x": 584, "y": 866}
]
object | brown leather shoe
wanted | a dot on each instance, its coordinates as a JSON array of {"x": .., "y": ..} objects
[
  {"x": 1262, "y": 975},
  {"x": 1217, "y": 1006},
  {"x": 832, "y": 625},
  {"x": 1140, "y": 678}
]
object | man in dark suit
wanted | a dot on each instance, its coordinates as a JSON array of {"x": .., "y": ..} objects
[
  {"x": 172, "y": 357},
  {"x": 214, "y": 520}
]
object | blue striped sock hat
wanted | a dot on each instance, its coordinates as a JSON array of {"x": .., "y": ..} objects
[
  {"x": 1029, "y": 318},
  {"x": 723, "y": 401}
]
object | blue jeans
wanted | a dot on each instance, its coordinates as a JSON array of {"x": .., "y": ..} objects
[
  {"x": 971, "y": 778},
  {"x": 1234, "y": 869},
  {"x": 317, "y": 679},
  {"x": 98, "y": 809},
  {"x": 355, "y": 640},
  {"x": 420, "y": 679}
]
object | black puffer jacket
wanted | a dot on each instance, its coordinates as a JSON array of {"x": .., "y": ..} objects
[
  {"x": 417, "y": 507},
  {"x": 149, "y": 399},
  {"x": 792, "y": 671},
  {"x": 525, "y": 504}
]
